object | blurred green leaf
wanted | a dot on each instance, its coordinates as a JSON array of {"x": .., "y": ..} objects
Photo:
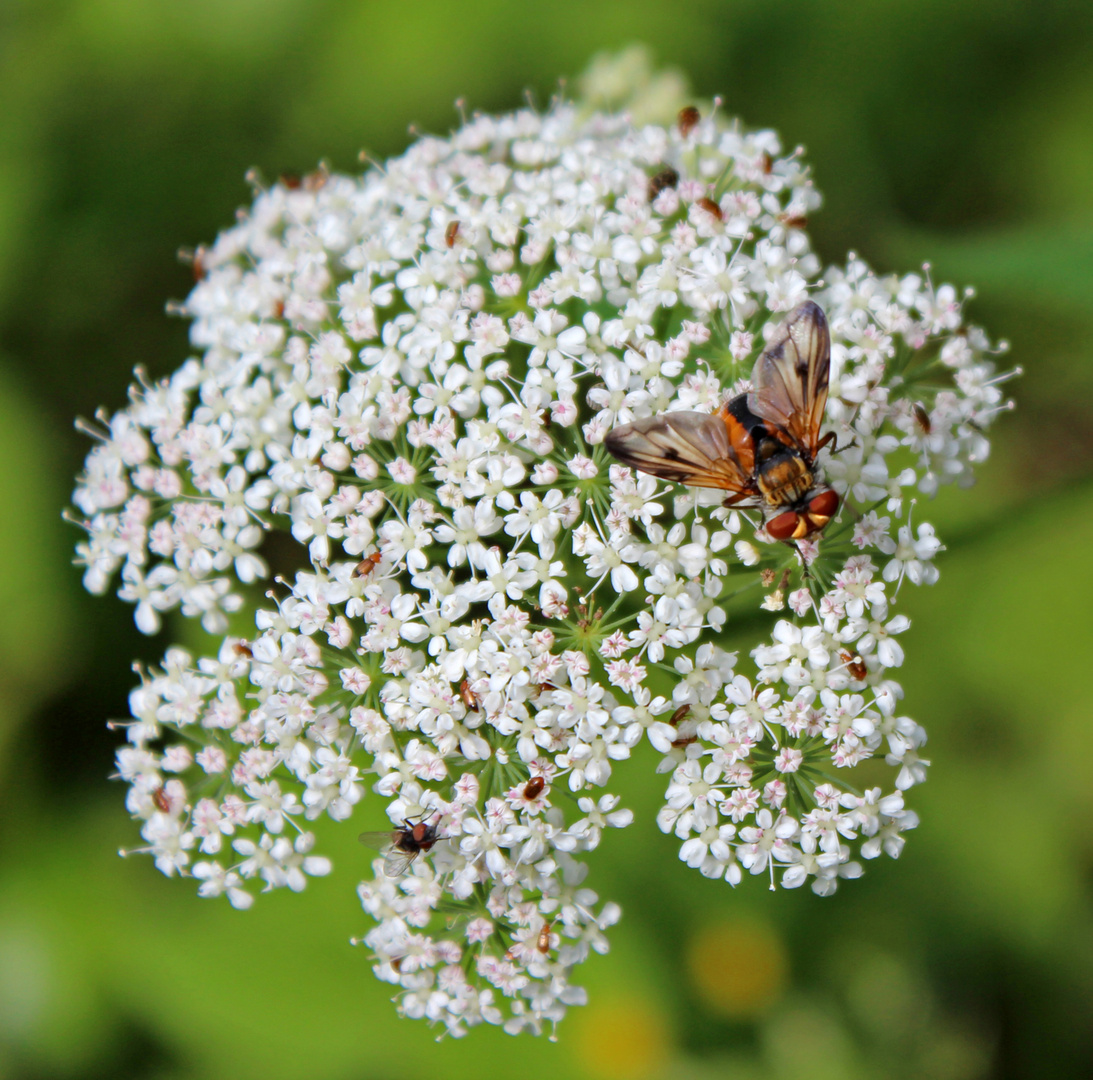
[
  {"x": 1044, "y": 265},
  {"x": 35, "y": 639}
]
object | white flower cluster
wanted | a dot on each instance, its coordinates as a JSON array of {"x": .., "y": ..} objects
[{"x": 412, "y": 372}]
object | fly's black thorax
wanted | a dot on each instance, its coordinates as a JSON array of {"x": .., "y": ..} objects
[
  {"x": 416, "y": 837},
  {"x": 782, "y": 475}
]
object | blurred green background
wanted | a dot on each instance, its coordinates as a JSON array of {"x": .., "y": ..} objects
[{"x": 956, "y": 131}]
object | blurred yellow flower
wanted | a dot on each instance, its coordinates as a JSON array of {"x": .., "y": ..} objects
[
  {"x": 737, "y": 967},
  {"x": 623, "y": 1037}
]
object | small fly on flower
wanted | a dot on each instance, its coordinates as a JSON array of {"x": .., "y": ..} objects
[
  {"x": 451, "y": 232},
  {"x": 401, "y": 846},
  {"x": 163, "y": 804},
  {"x": 761, "y": 446}
]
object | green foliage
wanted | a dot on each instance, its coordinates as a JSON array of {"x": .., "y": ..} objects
[
  {"x": 33, "y": 630},
  {"x": 956, "y": 132}
]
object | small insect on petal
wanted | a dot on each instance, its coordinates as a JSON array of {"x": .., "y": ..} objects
[
  {"x": 543, "y": 944},
  {"x": 450, "y": 233},
  {"x": 710, "y": 207},
  {"x": 470, "y": 698},
  {"x": 675, "y": 720},
  {"x": 854, "y": 665},
  {"x": 680, "y": 714},
  {"x": 368, "y": 564},
  {"x": 317, "y": 180},
  {"x": 689, "y": 117},
  {"x": 196, "y": 258},
  {"x": 534, "y": 787},
  {"x": 922, "y": 418},
  {"x": 666, "y": 178}
]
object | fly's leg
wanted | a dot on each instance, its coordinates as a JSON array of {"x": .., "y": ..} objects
[
  {"x": 832, "y": 436},
  {"x": 736, "y": 497},
  {"x": 806, "y": 574}
]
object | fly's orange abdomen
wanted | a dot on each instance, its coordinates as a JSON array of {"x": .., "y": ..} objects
[{"x": 784, "y": 480}]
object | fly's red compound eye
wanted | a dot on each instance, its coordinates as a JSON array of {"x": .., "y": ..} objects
[
  {"x": 784, "y": 525},
  {"x": 825, "y": 504}
]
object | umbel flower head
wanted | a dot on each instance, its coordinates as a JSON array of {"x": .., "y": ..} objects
[{"x": 412, "y": 373}]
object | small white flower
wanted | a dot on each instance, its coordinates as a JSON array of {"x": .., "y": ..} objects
[{"x": 912, "y": 556}]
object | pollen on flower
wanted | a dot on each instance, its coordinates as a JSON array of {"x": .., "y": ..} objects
[{"x": 410, "y": 374}]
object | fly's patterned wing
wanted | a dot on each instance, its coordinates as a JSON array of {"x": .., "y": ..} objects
[
  {"x": 688, "y": 448},
  {"x": 397, "y": 861},
  {"x": 790, "y": 378},
  {"x": 380, "y": 841}
]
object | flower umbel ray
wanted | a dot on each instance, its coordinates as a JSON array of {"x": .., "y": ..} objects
[{"x": 413, "y": 372}]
